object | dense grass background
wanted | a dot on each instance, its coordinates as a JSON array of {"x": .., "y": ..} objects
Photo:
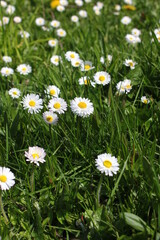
[{"x": 71, "y": 199}]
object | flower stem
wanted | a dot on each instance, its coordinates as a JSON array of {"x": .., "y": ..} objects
[
  {"x": 99, "y": 191},
  {"x": 32, "y": 182},
  {"x": 2, "y": 209}
]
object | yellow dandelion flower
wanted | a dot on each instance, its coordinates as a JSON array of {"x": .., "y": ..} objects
[
  {"x": 129, "y": 7},
  {"x": 54, "y": 3}
]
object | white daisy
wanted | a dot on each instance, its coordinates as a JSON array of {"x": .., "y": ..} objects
[
  {"x": 50, "y": 117},
  {"x": 17, "y": 19},
  {"x": 102, "y": 78},
  {"x": 7, "y": 59},
  {"x": 136, "y": 32},
  {"x": 70, "y": 55},
  {"x": 83, "y": 13},
  {"x": 6, "y": 71},
  {"x": 52, "y": 91},
  {"x": 14, "y": 92},
  {"x": 60, "y": 8},
  {"x": 145, "y": 100},
  {"x": 130, "y": 63},
  {"x": 88, "y": 1},
  {"x": 117, "y": 7},
  {"x": 5, "y": 20},
  {"x": 120, "y": 87},
  {"x": 86, "y": 66},
  {"x": 6, "y": 178},
  {"x": 64, "y": 3},
  {"x": 3, "y": 4},
  {"x": 45, "y": 29},
  {"x": 128, "y": 2},
  {"x": 40, "y": 21},
  {"x": 130, "y": 38},
  {"x": 61, "y": 32},
  {"x": 79, "y": 3},
  {"x": 24, "y": 69},
  {"x": 109, "y": 59},
  {"x": 55, "y": 24},
  {"x": 108, "y": 164},
  {"x": 52, "y": 42},
  {"x": 24, "y": 34},
  {"x": 74, "y": 18},
  {"x": 100, "y": 5},
  {"x": 82, "y": 107},
  {"x": 56, "y": 60},
  {"x": 76, "y": 62},
  {"x": 86, "y": 81},
  {"x": 32, "y": 102},
  {"x": 35, "y": 155},
  {"x": 10, "y": 9},
  {"x": 57, "y": 105},
  {"x": 126, "y": 20},
  {"x": 124, "y": 86}
]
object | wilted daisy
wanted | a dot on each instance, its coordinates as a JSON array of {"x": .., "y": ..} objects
[
  {"x": 52, "y": 42},
  {"x": 6, "y": 178},
  {"x": 86, "y": 66},
  {"x": 60, "y": 8},
  {"x": 76, "y": 62},
  {"x": 130, "y": 38},
  {"x": 32, "y": 102},
  {"x": 50, "y": 117},
  {"x": 56, "y": 59},
  {"x": 24, "y": 69},
  {"x": 70, "y": 55},
  {"x": 82, "y": 107},
  {"x": 79, "y": 3},
  {"x": 52, "y": 91},
  {"x": 6, "y": 71},
  {"x": 14, "y": 92},
  {"x": 55, "y": 24},
  {"x": 108, "y": 164},
  {"x": 109, "y": 59},
  {"x": 44, "y": 28},
  {"x": 124, "y": 86},
  {"x": 24, "y": 34},
  {"x": 7, "y": 59},
  {"x": 102, "y": 78},
  {"x": 61, "y": 32},
  {"x": 126, "y": 20},
  {"x": 10, "y": 9},
  {"x": 83, "y": 13},
  {"x": 57, "y": 105},
  {"x": 130, "y": 63},
  {"x": 40, "y": 21},
  {"x": 74, "y": 18},
  {"x": 5, "y": 20},
  {"x": 3, "y": 4},
  {"x": 145, "y": 100},
  {"x": 17, "y": 19},
  {"x": 86, "y": 81},
  {"x": 35, "y": 155}
]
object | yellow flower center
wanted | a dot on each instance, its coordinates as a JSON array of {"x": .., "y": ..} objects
[
  {"x": 57, "y": 105},
  {"x": 52, "y": 92},
  {"x": 49, "y": 118},
  {"x": 101, "y": 78},
  {"x": 35, "y": 155},
  {"x": 24, "y": 69},
  {"x": 61, "y": 33},
  {"x": 3, "y": 178},
  {"x": 87, "y": 67},
  {"x": 129, "y": 7},
  {"x": 82, "y": 105},
  {"x": 7, "y": 71},
  {"x": 128, "y": 86},
  {"x": 131, "y": 64},
  {"x": 107, "y": 164},
  {"x": 77, "y": 63},
  {"x": 145, "y": 101},
  {"x": 72, "y": 55},
  {"x": 15, "y": 93},
  {"x": 56, "y": 59},
  {"x": 53, "y": 42},
  {"x": 85, "y": 82},
  {"x": 32, "y": 103},
  {"x": 55, "y": 3}
]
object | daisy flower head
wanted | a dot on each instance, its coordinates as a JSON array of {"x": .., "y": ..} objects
[
  {"x": 126, "y": 20},
  {"x": 53, "y": 91},
  {"x": 109, "y": 59},
  {"x": 74, "y": 18},
  {"x": 145, "y": 100},
  {"x": 88, "y": 1},
  {"x": 7, "y": 178},
  {"x": 136, "y": 32},
  {"x": 130, "y": 63},
  {"x": 79, "y": 3},
  {"x": 5, "y": 20},
  {"x": 82, "y": 107},
  {"x": 40, "y": 21},
  {"x": 50, "y": 117},
  {"x": 6, "y": 71},
  {"x": 70, "y": 55},
  {"x": 57, "y": 105},
  {"x": 14, "y": 92},
  {"x": 64, "y": 3},
  {"x": 3, "y": 4},
  {"x": 128, "y": 2},
  {"x": 52, "y": 42},
  {"x": 108, "y": 164},
  {"x": 86, "y": 66},
  {"x": 32, "y": 102},
  {"x": 100, "y": 5},
  {"x": 45, "y": 29},
  {"x": 10, "y": 9},
  {"x": 76, "y": 62},
  {"x": 130, "y": 38},
  {"x": 55, "y": 24},
  {"x": 60, "y": 8},
  {"x": 35, "y": 155},
  {"x": 61, "y": 32},
  {"x": 17, "y": 19},
  {"x": 24, "y": 34},
  {"x": 83, "y": 13},
  {"x": 56, "y": 60},
  {"x": 7, "y": 59},
  {"x": 86, "y": 81},
  {"x": 24, "y": 69},
  {"x": 124, "y": 86},
  {"x": 102, "y": 78},
  {"x": 117, "y": 7}
]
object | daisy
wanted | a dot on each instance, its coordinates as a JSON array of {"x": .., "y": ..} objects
[
  {"x": 7, "y": 59},
  {"x": 117, "y": 7},
  {"x": 52, "y": 91},
  {"x": 24, "y": 69},
  {"x": 32, "y": 102},
  {"x": 35, "y": 155},
  {"x": 57, "y": 105},
  {"x": 86, "y": 81},
  {"x": 109, "y": 59},
  {"x": 64, "y": 3},
  {"x": 83, "y": 13},
  {"x": 10, "y": 9},
  {"x": 6, "y": 71},
  {"x": 74, "y": 18},
  {"x": 128, "y": 2},
  {"x": 88, "y": 1},
  {"x": 52, "y": 42},
  {"x": 24, "y": 34},
  {"x": 3, "y": 4},
  {"x": 55, "y": 24},
  {"x": 145, "y": 100},
  {"x": 86, "y": 66},
  {"x": 40, "y": 21},
  {"x": 60, "y": 8},
  {"x": 79, "y": 3},
  {"x": 6, "y": 178},
  {"x": 50, "y": 117},
  {"x": 126, "y": 20},
  {"x": 136, "y": 32},
  {"x": 130, "y": 38},
  {"x": 14, "y": 92},
  {"x": 130, "y": 63},
  {"x": 100, "y": 5},
  {"x": 76, "y": 62},
  {"x": 82, "y": 107},
  {"x": 5, "y": 20},
  {"x": 102, "y": 78},
  {"x": 107, "y": 164},
  {"x": 45, "y": 29},
  {"x": 17, "y": 19},
  {"x": 56, "y": 60},
  {"x": 124, "y": 86},
  {"x": 71, "y": 55},
  {"x": 61, "y": 32}
]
